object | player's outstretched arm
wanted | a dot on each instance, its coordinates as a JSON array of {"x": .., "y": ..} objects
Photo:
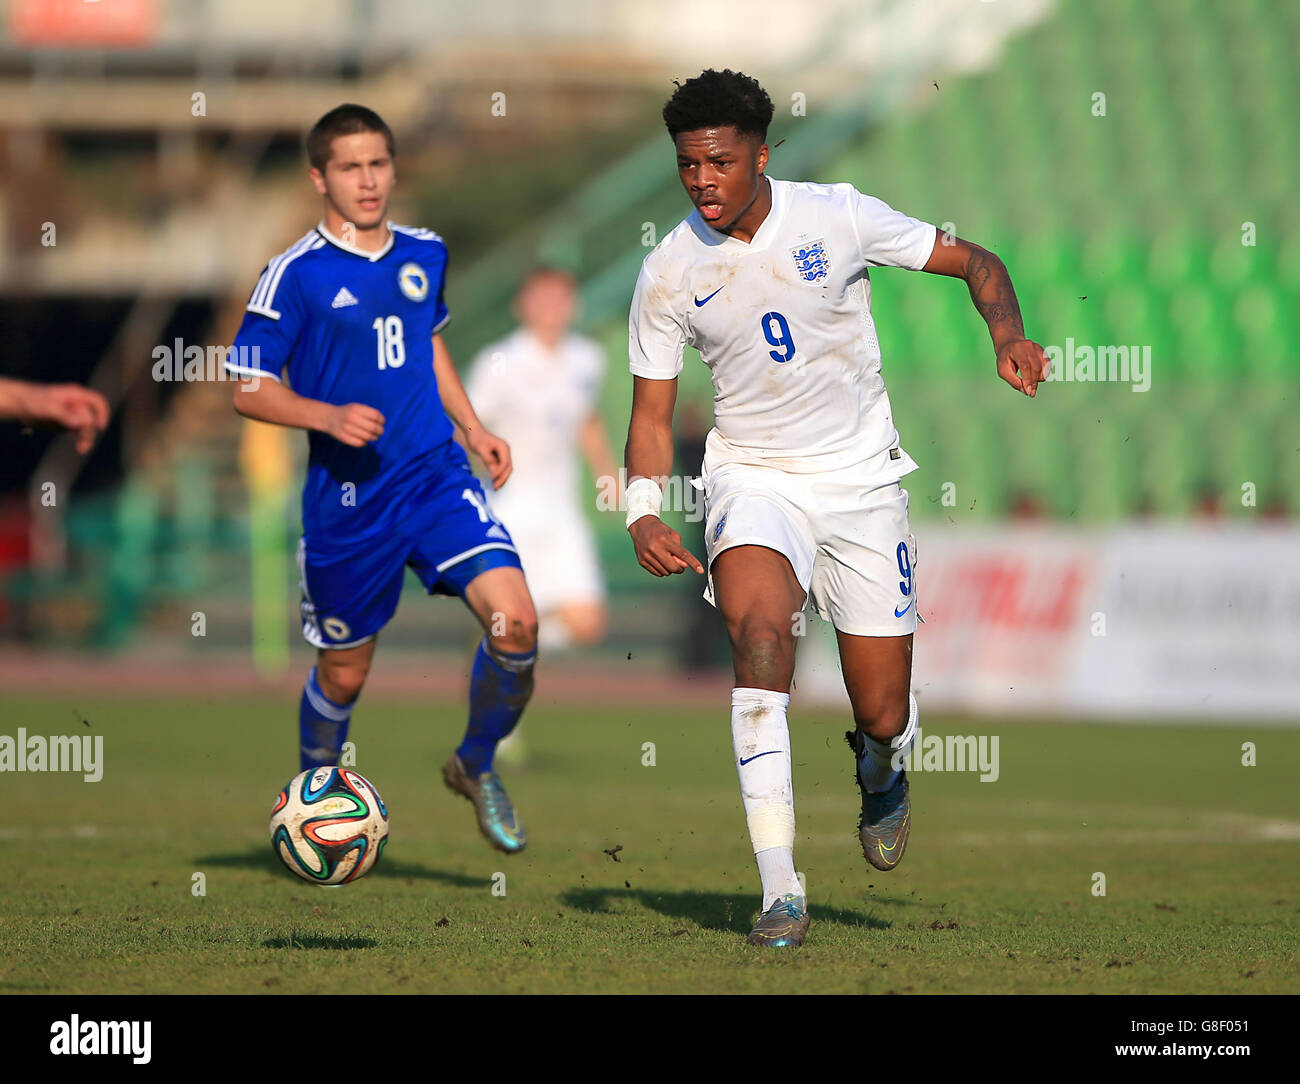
[
  {"x": 490, "y": 448},
  {"x": 1021, "y": 362},
  {"x": 267, "y": 400},
  {"x": 68, "y": 405},
  {"x": 649, "y": 457}
]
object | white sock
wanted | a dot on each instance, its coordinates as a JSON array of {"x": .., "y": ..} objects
[
  {"x": 776, "y": 867},
  {"x": 876, "y": 764},
  {"x": 760, "y": 738}
]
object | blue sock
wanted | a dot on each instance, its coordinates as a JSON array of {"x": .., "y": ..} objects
[
  {"x": 322, "y": 726},
  {"x": 499, "y": 687}
]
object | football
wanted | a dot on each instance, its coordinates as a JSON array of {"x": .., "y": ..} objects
[{"x": 329, "y": 826}]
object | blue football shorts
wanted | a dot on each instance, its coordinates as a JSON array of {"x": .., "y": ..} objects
[{"x": 450, "y": 537}]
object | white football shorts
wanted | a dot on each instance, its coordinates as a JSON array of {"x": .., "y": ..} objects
[
  {"x": 561, "y": 563},
  {"x": 850, "y": 545}
]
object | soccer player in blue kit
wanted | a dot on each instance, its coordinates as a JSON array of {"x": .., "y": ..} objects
[{"x": 353, "y": 311}]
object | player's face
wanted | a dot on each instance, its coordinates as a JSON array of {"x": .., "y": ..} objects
[
  {"x": 358, "y": 179},
  {"x": 722, "y": 172},
  {"x": 546, "y": 306}
]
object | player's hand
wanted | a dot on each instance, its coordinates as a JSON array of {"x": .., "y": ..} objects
[
  {"x": 659, "y": 548},
  {"x": 70, "y": 406},
  {"x": 355, "y": 424},
  {"x": 495, "y": 454},
  {"x": 1023, "y": 364}
]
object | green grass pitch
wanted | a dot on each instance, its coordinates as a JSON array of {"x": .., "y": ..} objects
[{"x": 996, "y": 893}]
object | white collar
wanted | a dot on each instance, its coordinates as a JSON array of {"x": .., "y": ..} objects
[{"x": 338, "y": 242}]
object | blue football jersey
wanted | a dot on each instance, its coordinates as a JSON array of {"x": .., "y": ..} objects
[{"x": 348, "y": 326}]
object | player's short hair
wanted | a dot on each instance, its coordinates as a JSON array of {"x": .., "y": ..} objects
[
  {"x": 716, "y": 99},
  {"x": 346, "y": 119},
  {"x": 548, "y": 270}
]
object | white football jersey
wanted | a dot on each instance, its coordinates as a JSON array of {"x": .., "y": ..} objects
[
  {"x": 537, "y": 401},
  {"x": 784, "y": 323}
]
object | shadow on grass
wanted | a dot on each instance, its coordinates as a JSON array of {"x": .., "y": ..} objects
[
  {"x": 708, "y": 910},
  {"x": 296, "y": 940},
  {"x": 263, "y": 858}
]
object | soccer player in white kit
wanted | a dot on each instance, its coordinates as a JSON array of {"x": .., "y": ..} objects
[
  {"x": 769, "y": 280},
  {"x": 539, "y": 389}
]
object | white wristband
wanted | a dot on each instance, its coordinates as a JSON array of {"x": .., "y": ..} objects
[{"x": 644, "y": 498}]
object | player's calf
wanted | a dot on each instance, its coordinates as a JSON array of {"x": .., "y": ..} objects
[
  {"x": 878, "y": 677},
  {"x": 325, "y": 711},
  {"x": 501, "y": 684},
  {"x": 342, "y": 672},
  {"x": 885, "y": 821},
  {"x": 322, "y": 725}
]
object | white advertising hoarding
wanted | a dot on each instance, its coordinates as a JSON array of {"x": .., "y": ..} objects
[{"x": 1138, "y": 621}]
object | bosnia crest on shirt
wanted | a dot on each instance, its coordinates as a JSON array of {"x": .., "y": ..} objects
[
  {"x": 811, "y": 260},
  {"x": 413, "y": 281}
]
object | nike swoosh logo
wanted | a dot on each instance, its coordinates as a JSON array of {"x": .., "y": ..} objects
[
  {"x": 885, "y": 852},
  {"x": 743, "y": 761},
  {"x": 899, "y": 613},
  {"x": 700, "y": 304}
]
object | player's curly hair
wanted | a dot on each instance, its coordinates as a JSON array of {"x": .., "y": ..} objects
[
  {"x": 716, "y": 99},
  {"x": 346, "y": 119}
]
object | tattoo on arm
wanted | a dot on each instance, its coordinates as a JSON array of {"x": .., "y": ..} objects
[{"x": 993, "y": 296}]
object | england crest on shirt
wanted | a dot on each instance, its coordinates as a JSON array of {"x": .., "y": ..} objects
[{"x": 811, "y": 260}]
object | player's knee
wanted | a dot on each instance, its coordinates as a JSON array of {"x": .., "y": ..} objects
[
  {"x": 881, "y": 714},
  {"x": 763, "y": 649},
  {"x": 515, "y": 630},
  {"x": 761, "y": 635},
  {"x": 341, "y": 681}
]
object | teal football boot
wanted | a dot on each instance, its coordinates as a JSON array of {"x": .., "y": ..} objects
[
  {"x": 497, "y": 819},
  {"x": 784, "y": 923}
]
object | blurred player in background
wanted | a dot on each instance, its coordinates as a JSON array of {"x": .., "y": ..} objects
[
  {"x": 353, "y": 310},
  {"x": 69, "y": 406},
  {"x": 539, "y": 388},
  {"x": 769, "y": 280}
]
